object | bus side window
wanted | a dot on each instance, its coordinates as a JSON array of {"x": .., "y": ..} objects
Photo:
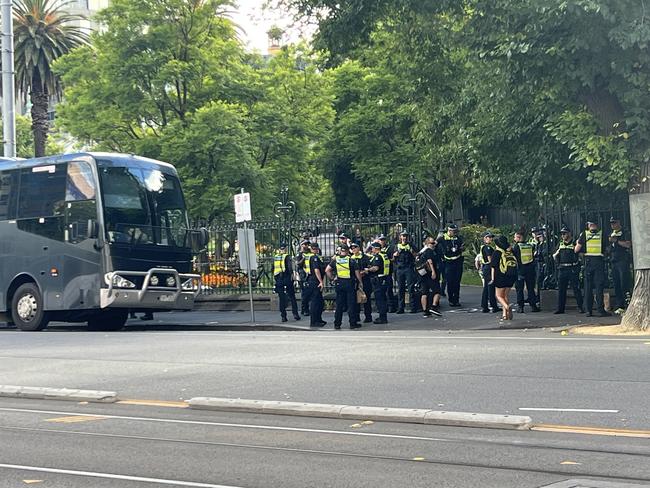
[
  {"x": 8, "y": 194},
  {"x": 81, "y": 206}
]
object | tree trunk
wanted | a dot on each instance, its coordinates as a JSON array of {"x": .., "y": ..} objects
[
  {"x": 40, "y": 120},
  {"x": 637, "y": 315}
]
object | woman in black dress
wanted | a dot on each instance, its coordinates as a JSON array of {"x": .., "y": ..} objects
[{"x": 504, "y": 273}]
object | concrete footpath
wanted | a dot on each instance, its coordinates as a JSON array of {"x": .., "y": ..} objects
[{"x": 467, "y": 317}]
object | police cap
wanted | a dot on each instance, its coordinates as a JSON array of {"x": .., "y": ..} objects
[
  {"x": 353, "y": 244},
  {"x": 382, "y": 237},
  {"x": 282, "y": 246},
  {"x": 534, "y": 230},
  {"x": 342, "y": 235},
  {"x": 452, "y": 227},
  {"x": 344, "y": 247},
  {"x": 565, "y": 230},
  {"x": 376, "y": 245},
  {"x": 314, "y": 245},
  {"x": 613, "y": 219},
  {"x": 592, "y": 220},
  {"x": 404, "y": 233},
  {"x": 488, "y": 234}
]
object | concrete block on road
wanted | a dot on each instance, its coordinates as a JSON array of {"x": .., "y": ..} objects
[
  {"x": 303, "y": 409},
  {"x": 227, "y": 404},
  {"x": 485, "y": 420},
  {"x": 43, "y": 393},
  {"x": 386, "y": 414}
]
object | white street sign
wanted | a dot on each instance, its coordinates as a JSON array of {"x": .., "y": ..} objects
[{"x": 243, "y": 207}]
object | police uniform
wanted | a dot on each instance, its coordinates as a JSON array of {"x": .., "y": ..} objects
[
  {"x": 526, "y": 273},
  {"x": 593, "y": 246},
  {"x": 452, "y": 255},
  {"x": 620, "y": 260},
  {"x": 405, "y": 274},
  {"x": 314, "y": 293},
  {"x": 540, "y": 254},
  {"x": 386, "y": 254},
  {"x": 363, "y": 262},
  {"x": 568, "y": 263},
  {"x": 283, "y": 276},
  {"x": 344, "y": 268},
  {"x": 302, "y": 262},
  {"x": 489, "y": 291},
  {"x": 379, "y": 285}
]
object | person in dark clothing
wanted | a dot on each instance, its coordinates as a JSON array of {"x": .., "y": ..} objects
[
  {"x": 568, "y": 263},
  {"x": 302, "y": 264},
  {"x": 489, "y": 292},
  {"x": 526, "y": 272},
  {"x": 363, "y": 263},
  {"x": 540, "y": 252},
  {"x": 387, "y": 255},
  {"x": 404, "y": 258},
  {"x": 377, "y": 270},
  {"x": 452, "y": 247},
  {"x": 315, "y": 285},
  {"x": 283, "y": 276},
  {"x": 593, "y": 245},
  {"x": 343, "y": 272},
  {"x": 619, "y": 255},
  {"x": 428, "y": 278},
  {"x": 504, "y": 273}
]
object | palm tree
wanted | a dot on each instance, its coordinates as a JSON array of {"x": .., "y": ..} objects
[{"x": 43, "y": 32}]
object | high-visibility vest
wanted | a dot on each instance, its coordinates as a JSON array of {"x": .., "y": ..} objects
[
  {"x": 594, "y": 243},
  {"x": 307, "y": 264},
  {"x": 447, "y": 237},
  {"x": 526, "y": 252},
  {"x": 403, "y": 247},
  {"x": 343, "y": 267},
  {"x": 384, "y": 256},
  {"x": 278, "y": 264}
]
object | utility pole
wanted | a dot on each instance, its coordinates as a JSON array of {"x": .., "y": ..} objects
[{"x": 8, "y": 86}]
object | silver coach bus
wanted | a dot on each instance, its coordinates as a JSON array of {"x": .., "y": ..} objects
[{"x": 88, "y": 237}]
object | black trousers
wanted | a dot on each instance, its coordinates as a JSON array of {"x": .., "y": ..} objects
[
  {"x": 346, "y": 300},
  {"x": 390, "y": 294},
  {"x": 380, "y": 287},
  {"x": 621, "y": 279},
  {"x": 594, "y": 283},
  {"x": 453, "y": 273},
  {"x": 541, "y": 275},
  {"x": 565, "y": 277},
  {"x": 367, "y": 307},
  {"x": 489, "y": 291},
  {"x": 286, "y": 294},
  {"x": 315, "y": 301},
  {"x": 526, "y": 275},
  {"x": 443, "y": 277},
  {"x": 405, "y": 281},
  {"x": 305, "y": 293}
]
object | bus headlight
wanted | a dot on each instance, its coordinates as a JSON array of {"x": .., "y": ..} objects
[
  {"x": 121, "y": 282},
  {"x": 170, "y": 281},
  {"x": 153, "y": 281},
  {"x": 190, "y": 285}
]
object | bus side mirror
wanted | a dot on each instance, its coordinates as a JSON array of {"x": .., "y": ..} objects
[{"x": 93, "y": 229}]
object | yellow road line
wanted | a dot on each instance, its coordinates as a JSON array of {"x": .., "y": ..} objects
[
  {"x": 154, "y": 403},
  {"x": 574, "y": 429},
  {"x": 75, "y": 419}
]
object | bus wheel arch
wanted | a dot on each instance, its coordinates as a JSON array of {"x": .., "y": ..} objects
[{"x": 27, "y": 306}]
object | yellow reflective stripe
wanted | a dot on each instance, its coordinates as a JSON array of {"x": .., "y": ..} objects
[
  {"x": 386, "y": 263},
  {"x": 308, "y": 256}
]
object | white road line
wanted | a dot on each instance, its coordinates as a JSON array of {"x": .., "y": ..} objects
[
  {"x": 223, "y": 424},
  {"x": 583, "y": 410},
  {"x": 92, "y": 474}
]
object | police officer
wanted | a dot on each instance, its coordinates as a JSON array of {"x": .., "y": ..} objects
[
  {"x": 619, "y": 255},
  {"x": 283, "y": 276},
  {"x": 540, "y": 253},
  {"x": 302, "y": 263},
  {"x": 452, "y": 247},
  {"x": 404, "y": 259},
  {"x": 363, "y": 263},
  {"x": 315, "y": 286},
  {"x": 377, "y": 270},
  {"x": 343, "y": 272},
  {"x": 568, "y": 263},
  {"x": 428, "y": 278},
  {"x": 593, "y": 245},
  {"x": 489, "y": 292},
  {"x": 526, "y": 272},
  {"x": 387, "y": 255}
]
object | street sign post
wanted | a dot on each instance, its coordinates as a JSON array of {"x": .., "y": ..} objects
[{"x": 243, "y": 214}]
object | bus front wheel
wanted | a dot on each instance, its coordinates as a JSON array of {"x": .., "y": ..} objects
[
  {"x": 108, "y": 320},
  {"x": 27, "y": 308}
]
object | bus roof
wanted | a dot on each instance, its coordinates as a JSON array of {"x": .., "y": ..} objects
[{"x": 119, "y": 158}]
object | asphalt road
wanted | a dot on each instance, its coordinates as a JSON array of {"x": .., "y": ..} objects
[
  {"x": 585, "y": 381},
  {"x": 57, "y": 444}
]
